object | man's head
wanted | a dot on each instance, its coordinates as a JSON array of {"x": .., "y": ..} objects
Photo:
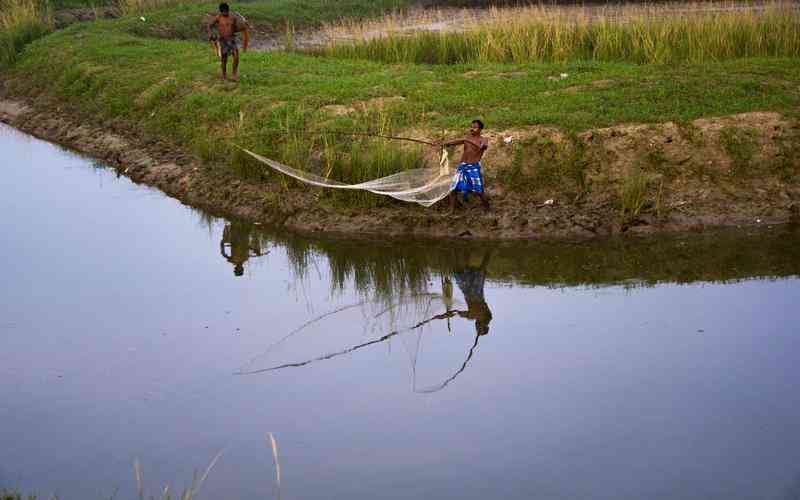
[
  {"x": 224, "y": 9},
  {"x": 476, "y": 127}
]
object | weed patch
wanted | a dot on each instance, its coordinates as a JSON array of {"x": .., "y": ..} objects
[
  {"x": 633, "y": 193},
  {"x": 741, "y": 145}
]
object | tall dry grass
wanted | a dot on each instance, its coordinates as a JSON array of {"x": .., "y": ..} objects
[
  {"x": 21, "y": 22},
  {"x": 639, "y": 34}
]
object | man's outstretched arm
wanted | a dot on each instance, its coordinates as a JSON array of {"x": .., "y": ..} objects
[{"x": 453, "y": 142}]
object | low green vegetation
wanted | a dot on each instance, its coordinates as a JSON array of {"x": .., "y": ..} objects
[
  {"x": 741, "y": 145},
  {"x": 632, "y": 34}
]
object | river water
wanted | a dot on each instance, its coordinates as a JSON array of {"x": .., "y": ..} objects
[{"x": 133, "y": 328}]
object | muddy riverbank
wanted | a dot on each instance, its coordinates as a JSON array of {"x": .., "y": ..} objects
[{"x": 696, "y": 166}]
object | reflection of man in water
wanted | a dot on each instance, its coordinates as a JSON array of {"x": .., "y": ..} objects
[
  {"x": 470, "y": 281},
  {"x": 237, "y": 245}
]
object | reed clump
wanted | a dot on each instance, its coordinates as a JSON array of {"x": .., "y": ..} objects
[
  {"x": 633, "y": 193},
  {"x": 644, "y": 35},
  {"x": 21, "y": 22}
]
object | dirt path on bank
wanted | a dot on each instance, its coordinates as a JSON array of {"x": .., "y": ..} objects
[{"x": 687, "y": 204}]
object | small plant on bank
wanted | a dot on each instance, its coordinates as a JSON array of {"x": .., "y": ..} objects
[
  {"x": 633, "y": 193},
  {"x": 576, "y": 162},
  {"x": 740, "y": 145},
  {"x": 787, "y": 165}
]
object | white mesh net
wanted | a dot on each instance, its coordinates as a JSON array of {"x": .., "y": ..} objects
[{"x": 425, "y": 186}]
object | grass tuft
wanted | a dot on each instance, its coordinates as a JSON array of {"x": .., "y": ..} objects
[
  {"x": 741, "y": 146},
  {"x": 21, "y": 22},
  {"x": 633, "y": 193}
]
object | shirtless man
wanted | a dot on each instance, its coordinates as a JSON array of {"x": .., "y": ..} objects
[
  {"x": 470, "y": 179},
  {"x": 228, "y": 25}
]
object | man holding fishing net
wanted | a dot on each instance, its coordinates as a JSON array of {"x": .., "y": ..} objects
[
  {"x": 469, "y": 177},
  {"x": 228, "y": 25}
]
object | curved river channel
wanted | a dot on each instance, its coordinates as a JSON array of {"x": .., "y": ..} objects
[{"x": 134, "y": 329}]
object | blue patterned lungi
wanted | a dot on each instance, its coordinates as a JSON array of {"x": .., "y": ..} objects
[
  {"x": 471, "y": 282},
  {"x": 469, "y": 178}
]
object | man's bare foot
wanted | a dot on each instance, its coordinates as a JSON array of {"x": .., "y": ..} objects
[
  {"x": 224, "y": 78},
  {"x": 234, "y": 78}
]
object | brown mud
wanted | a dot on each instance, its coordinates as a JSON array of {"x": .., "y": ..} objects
[{"x": 738, "y": 170}]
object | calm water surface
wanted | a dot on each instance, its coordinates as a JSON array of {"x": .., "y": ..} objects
[{"x": 134, "y": 328}]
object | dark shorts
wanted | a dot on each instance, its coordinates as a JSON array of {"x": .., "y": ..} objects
[{"x": 227, "y": 46}]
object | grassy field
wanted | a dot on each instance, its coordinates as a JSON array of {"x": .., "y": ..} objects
[{"x": 155, "y": 75}]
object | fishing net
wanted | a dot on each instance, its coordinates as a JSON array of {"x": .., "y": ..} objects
[{"x": 425, "y": 186}]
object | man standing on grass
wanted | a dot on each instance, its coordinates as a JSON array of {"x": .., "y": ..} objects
[
  {"x": 469, "y": 175},
  {"x": 228, "y": 25}
]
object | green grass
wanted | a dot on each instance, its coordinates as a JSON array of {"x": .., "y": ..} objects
[{"x": 633, "y": 34}]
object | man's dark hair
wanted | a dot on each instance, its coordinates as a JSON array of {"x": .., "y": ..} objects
[
  {"x": 224, "y": 7},
  {"x": 480, "y": 123}
]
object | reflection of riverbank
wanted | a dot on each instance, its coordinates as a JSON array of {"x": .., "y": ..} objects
[
  {"x": 430, "y": 298},
  {"x": 388, "y": 269}
]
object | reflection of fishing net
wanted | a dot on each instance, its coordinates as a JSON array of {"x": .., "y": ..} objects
[
  {"x": 437, "y": 351},
  {"x": 425, "y": 186},
  {"x": 314, "y": 341}
]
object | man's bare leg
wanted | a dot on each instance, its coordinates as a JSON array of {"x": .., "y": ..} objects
[
  {"x": 224, "y": 65},
  {"x": 234, "y": 75}
]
